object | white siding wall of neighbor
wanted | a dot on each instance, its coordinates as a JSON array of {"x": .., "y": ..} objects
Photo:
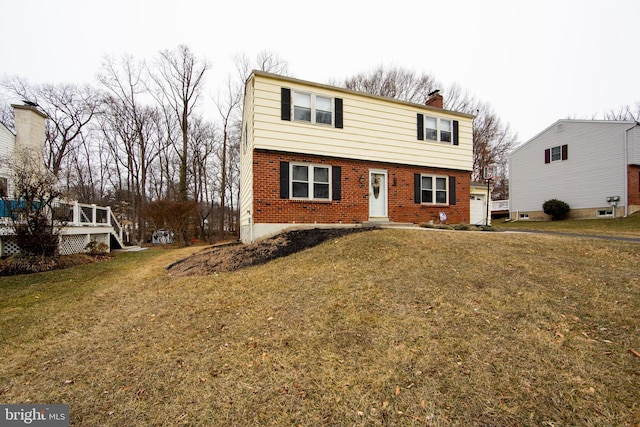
[
  {"x": 7, "y": 145},
  {"x": 595, "y": 167},
  {"x": 375, "y": 128}
]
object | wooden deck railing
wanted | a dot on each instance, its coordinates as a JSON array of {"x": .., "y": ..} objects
[{"x": 72, "y": 214}]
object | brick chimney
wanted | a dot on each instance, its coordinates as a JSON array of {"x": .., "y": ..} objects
[
  {"x": 435, "y": 99},
  {"x": 30, "y": 130}
]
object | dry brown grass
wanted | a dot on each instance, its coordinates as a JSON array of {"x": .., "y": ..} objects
[{"x": 388, "y": 327}]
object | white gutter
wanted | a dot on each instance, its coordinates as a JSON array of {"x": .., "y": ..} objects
[{"x": 626, "y": 169}]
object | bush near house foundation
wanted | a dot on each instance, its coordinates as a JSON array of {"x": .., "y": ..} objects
[{"x": 556, "y": 209}]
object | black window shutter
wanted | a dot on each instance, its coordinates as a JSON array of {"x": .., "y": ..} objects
[
  {"x": 565, "y": 152},
  {"x": 338, "y": 103},
  {"x": 420, "y": 127},
  {"x": 452, "y": 190},
  {"x": 547, "y": 155},
  {"x": 455, "y": 132},
  {"x": 336, "y": 183},
  {"x": 285, "y": 103},
  {"x": 284, "y": 180},
  {"x": 417, "y": 191}
]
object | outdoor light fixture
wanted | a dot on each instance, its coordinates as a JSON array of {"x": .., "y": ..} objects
[{"x": 361, "y": 179}]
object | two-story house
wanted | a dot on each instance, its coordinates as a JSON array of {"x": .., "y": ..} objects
[
  {"x": 592, "y": 165},
  {"x": 317, "y": 155}
]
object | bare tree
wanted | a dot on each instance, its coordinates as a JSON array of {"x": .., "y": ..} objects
[
  {"x": 203, "y": 147},
  {"x": 393, "y": 82},
  {"x": 626, "y": 112},
  {"x": 32, "y": 217},
  {"x": 228, "y": 106},
  {"x": 130, "y": 128},
  {"x": 492, "y": 140},
  {"x": 179, "y": 78}
]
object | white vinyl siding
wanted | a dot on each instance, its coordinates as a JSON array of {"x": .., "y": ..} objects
[
  {"x": 594, "y": 170},
  {"x": 7, "y": 147},
  {"x": 375, "y": 128},
  {"x": 246, "y": 166}
]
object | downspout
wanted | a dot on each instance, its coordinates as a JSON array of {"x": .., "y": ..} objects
[{"x": 626, "y": 169}]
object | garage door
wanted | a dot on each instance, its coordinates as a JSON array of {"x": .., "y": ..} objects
[{"x": 478, "y": 209}]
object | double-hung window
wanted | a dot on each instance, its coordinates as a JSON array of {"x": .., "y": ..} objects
[
  {"x": 309, "y": 107},
  {"x": 431, "y": 128},
  {"x": 445, "y": 130},
  {"x": 433, "y": 189},
  {"x": 556, "y": 154},
  {"x": 310, "y": 182},
  {"x": 437, "y": 129}
]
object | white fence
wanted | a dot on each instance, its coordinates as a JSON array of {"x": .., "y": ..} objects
[{"x": 499, "y": 205}]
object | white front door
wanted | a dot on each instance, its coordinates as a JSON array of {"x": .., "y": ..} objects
[{"x": 378, "y": 194}]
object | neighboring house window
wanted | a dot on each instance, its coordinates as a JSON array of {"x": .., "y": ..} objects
[
  {"x": 4, "y": 188},
  {"x": 311, "y": 107},
  {"x": 434, "y": 189},
  {"x": 556, "y": 154},
  {"x": 310, "y": 181},
  {"x": 604, "y": 213},
  {"x": 437, "y": 129}
]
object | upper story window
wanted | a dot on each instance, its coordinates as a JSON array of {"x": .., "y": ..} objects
[
  {"x": 310, "y": 107},
  {"x": 310, "y": 181},
  {"x": 556, "y": 154},
  {"x": 437, "y": 129}
]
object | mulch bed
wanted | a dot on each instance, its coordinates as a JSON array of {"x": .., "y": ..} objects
[{"x": 236, "y": 256}]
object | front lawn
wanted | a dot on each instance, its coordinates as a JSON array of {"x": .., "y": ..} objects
[
  {"x": 384, "y": 327},
  {"x": 624, "y": 227}
]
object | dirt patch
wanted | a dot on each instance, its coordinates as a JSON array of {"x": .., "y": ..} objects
[{"x": 235, "y": 256}]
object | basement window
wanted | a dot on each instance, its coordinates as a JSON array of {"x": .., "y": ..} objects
[
  {"x": 604, "y": 213},
  {"x": 523, "y": 216}
]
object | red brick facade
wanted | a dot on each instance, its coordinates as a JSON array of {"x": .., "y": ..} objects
[
  {"x": 353, "y": 207},
  {"x": 633, "y": 184}
]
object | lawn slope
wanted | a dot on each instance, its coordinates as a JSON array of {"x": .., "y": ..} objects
[{"x": 386, "y": 327}]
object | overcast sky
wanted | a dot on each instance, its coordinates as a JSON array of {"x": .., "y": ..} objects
[{"x": 534, "y": 61}]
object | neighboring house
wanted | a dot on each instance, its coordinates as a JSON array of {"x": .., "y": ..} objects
[
  {"x": 7, "y": 144},
  {"x": 82, "y": 223},
  {"x": 318, "y": 155},
  {"x": 594, "y": 166},
  {"x": 28, "y": 138}
]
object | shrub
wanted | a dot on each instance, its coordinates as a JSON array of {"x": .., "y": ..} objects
[
  {"x": 95, "y": 248},
  {"x": 555, "y": 208}
]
